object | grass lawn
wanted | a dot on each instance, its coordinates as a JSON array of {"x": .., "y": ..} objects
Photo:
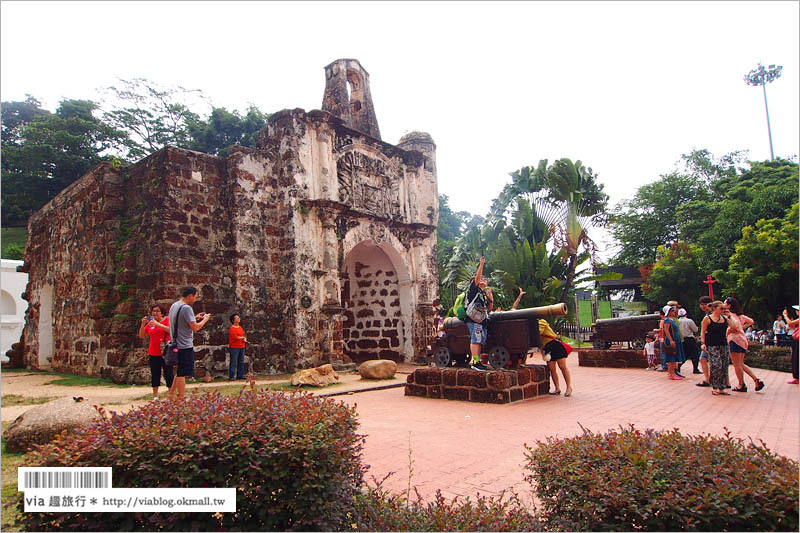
[
  {"x": 574, "y": 343},
  {"x": 8, "y": 485},
  {"x": 68, "y": 380},
  {"x": 13, "y": 236},
  {"x": 17, "y": 399},
  {"x": 233, "y": 390}
]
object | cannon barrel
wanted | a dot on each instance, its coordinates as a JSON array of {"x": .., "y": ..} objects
[
  {"x": 604, "y": 322},
  {"x": 531, "y": 312},
  {"x": 515, "y": 314}
]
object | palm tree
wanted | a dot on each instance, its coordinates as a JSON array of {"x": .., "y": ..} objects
[{"x": 566, "y": 198}]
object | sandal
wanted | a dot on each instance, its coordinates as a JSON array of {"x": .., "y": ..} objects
[
  {"x": 720, "y": 393},
  {"x": 554, "y": 393},
  {"x": 759, "y": 385},
  {"x": 703, "y": 384},
  {"x": 742, "y": 388},
  {"x": 568, "y": 393}
]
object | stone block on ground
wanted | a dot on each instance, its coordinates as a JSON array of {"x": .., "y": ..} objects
[
  {"x": 40, "y": 424},
  {"x": 377, "y": 369},
  {"x": 318, "y": 377}
]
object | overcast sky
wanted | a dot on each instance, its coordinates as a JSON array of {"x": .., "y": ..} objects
[{"x": 626, "y": 87}]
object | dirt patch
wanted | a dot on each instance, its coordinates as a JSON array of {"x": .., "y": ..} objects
[{"x": 32, "y": 385}]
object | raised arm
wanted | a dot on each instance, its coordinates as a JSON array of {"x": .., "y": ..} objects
[
  {"x": 142, "y": 333},
  {"x": 479, "y": 272},
  {"x": 516, "y": 302},
  {"x": 197, "y": 326}
]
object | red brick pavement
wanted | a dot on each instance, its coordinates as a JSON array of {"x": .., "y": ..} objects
[{"x": 468, "y": 448}]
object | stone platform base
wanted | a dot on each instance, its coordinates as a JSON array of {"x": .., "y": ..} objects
[
  {"x": 493, "y": 386},
  {"x": 612, "y": 358}
]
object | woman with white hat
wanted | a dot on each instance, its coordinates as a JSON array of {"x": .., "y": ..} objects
[{"x": 672, "y": 342}]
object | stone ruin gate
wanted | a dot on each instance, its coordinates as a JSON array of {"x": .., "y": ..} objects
[{"x": 323, "y": 238}]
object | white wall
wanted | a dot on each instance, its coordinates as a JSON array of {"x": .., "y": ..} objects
[{"x": 12, "y": 306}]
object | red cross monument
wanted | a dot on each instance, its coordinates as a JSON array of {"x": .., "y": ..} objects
[{"x": 710, "y": 281}]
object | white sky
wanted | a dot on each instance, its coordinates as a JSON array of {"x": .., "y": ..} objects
[{"x": 626, "y": 87}]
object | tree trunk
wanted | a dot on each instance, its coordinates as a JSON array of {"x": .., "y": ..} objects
[{"x": 570, "y": 276}]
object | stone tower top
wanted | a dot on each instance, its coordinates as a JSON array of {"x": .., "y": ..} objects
[{"x": 347, "y": 96}]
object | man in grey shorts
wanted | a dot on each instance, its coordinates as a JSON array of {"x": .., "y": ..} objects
[{"x": 183, "y": 324}]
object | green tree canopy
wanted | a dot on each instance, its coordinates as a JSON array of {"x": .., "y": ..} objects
[
  {"x": 44, "y": 152},
  {"x": 654, "y": 216},
  {"x": 151, "y": 116},
  {"x": 223, "y": 129},
  {"x": 677, "y": 276},
  {"x": 763, "y": 270}
]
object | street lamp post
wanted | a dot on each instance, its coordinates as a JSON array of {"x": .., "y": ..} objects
[{"x": 762, "y": 76}]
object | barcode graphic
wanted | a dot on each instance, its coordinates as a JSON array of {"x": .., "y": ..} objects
[{"x": 65, "y": 478}]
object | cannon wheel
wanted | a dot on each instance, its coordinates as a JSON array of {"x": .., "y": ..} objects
[
  {"x": 638, "y": 344},
  {"x": 598, "y": 343},
  {"x": 499, "y": 357},
  {"x": 441, "y": 357}
]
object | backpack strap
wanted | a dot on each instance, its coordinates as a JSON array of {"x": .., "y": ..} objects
[{"x": 173, "y": 337}]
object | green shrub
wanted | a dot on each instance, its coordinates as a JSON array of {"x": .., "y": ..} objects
[
  {"x": 378, "y": 510},
  {"x": 662, "y": 481},
  {"x": 14, "y": 251},
  {"x": 769, "y": 357},
  {"x": 295, "y": 460}
]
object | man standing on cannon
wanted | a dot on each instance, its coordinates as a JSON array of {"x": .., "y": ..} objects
[{"x": 478, "y": 303}]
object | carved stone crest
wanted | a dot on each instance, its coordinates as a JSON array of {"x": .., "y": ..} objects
[{"x": 368, "y": 184}]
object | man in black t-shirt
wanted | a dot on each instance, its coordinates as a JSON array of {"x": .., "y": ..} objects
[{"x": 478, "y": 331}]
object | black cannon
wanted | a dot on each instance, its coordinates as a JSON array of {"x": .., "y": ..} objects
[
  {"x": 511, "y": 335},
  {"x": 629, "y": 328}
]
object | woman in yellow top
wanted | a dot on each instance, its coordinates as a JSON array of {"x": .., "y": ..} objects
[{"x": 557, "y": 357}]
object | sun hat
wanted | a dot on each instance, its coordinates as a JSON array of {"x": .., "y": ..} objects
[{"x": 681, "y": 312}]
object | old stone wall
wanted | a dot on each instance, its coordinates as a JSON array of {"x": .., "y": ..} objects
[
  {"x": 612, "y": 358},
  {"x": 70, "y": 257},
  {"x": 503, "y": 386},
  {"x": 318, "y": 224}
]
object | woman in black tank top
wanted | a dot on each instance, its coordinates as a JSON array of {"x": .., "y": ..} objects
[{"x": 715, "y": 344}]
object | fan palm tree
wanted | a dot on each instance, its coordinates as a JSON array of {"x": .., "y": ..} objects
[{"x": 566, "y": 198}]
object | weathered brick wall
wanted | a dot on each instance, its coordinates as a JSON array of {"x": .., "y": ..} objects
[
  {"x": 262, "y": 262},
  {"x": 612, "y": 358},
  {"x": 267, "y": 233},
  {"x": 186, "y": 238},
  {"x": 71, "y": 259},
  {"x": 373, "y": 317},
  {"x": 502, "y": 386}
]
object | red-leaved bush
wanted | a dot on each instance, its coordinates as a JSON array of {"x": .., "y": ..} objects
[
  {"x": 662, "y": 481},
  {"x": 295, "y": 460},
  {"x": 379, "y": 510}
]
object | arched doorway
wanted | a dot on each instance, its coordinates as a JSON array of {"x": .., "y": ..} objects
[
  {"x": 45, "y": 325},
  {"x": 375, "y": 325},
  {"x": 7, "y": 305}
]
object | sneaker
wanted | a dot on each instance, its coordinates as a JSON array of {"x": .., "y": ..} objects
[
  {"x": 479, "y": 366},
  {"x": 155, "y": 398},
  {"x": 660, "y": 370}
]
